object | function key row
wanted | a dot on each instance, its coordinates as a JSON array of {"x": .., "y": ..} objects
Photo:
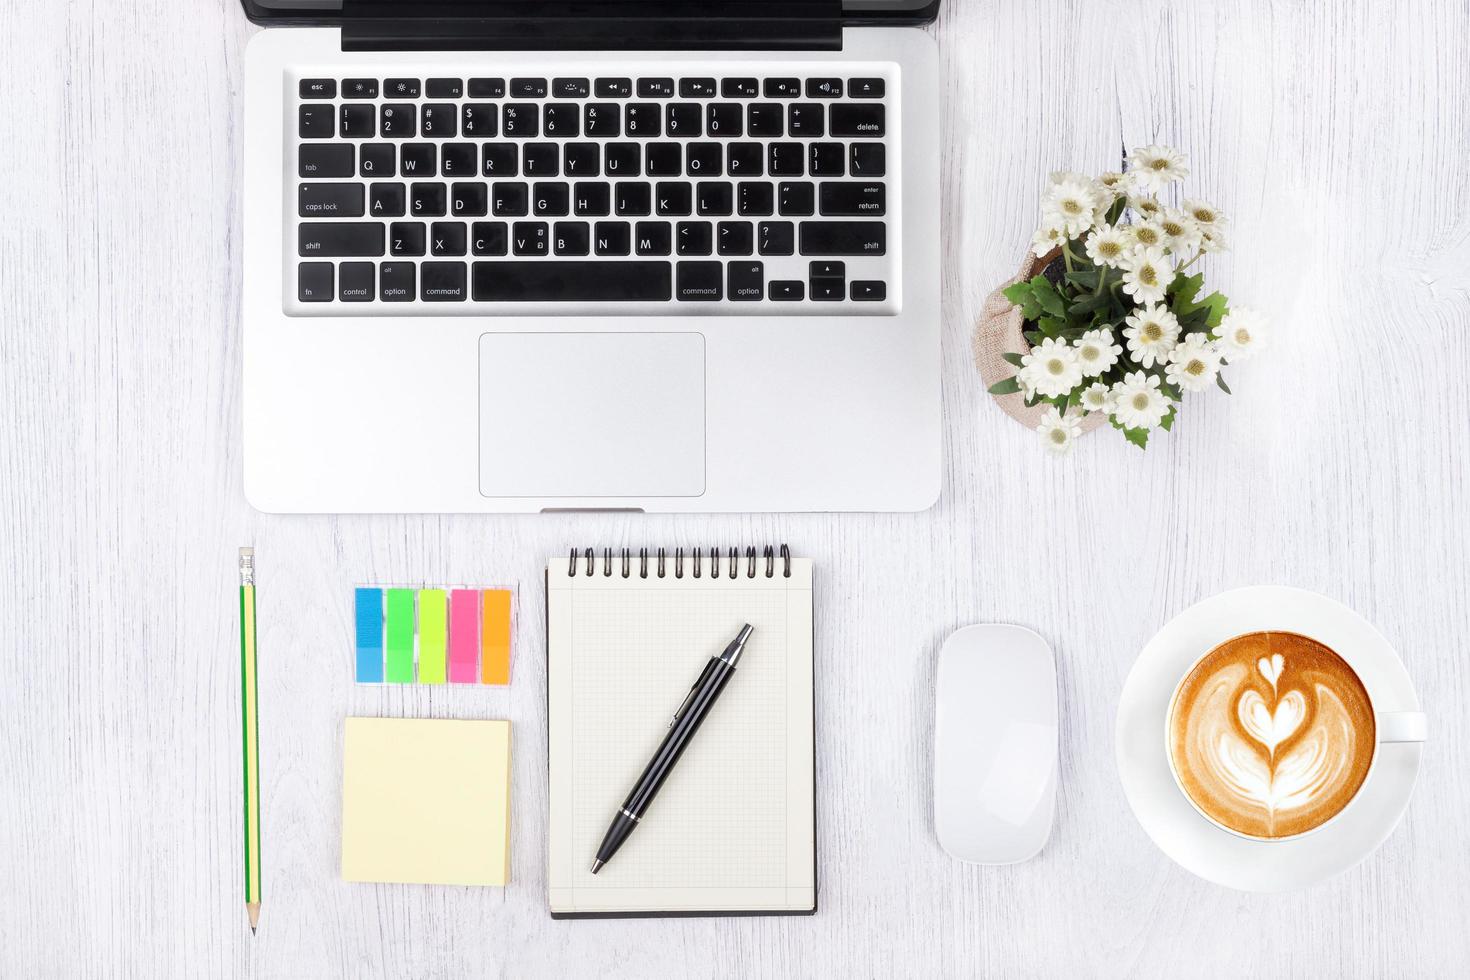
[{"x": 603, "y": 88}]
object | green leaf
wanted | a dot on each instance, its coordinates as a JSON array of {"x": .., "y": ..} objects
[
  {"x": 1089, "y": 303},
  {"x": 1220, "y": 381},
  {"x": 1012, "y": 359},
  {"x": 1218, "y": 306},
  {"x": 1017, "y": 292},
  {"x": 1139, "y": 437},
  {"x": 1183, "y": 291},
  {"x": 1116, "y": 211},
  {"x": 1050, "y": 327},
  {"x": 1047, "y": 295},
  {"x": 1033, "y": 337},
  {"x": 1167, "y": 422},
  {"x": 1171, "y": 390},
  {"x": 1086, "y": 278},
  {"x": 1007, "y": 387}
]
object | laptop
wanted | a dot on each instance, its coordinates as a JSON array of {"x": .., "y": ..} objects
[{"x": 626, "y": 255}]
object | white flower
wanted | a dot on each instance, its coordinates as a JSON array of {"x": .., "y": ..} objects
[
  {"x": 1144, "y": 206},
  {"x": 1047, "y": 237},
  {"x": 1147, "y": 234},
  {"x": 1242, "y": 332},
  {"x": 1194, "y": 364},
  {"x": 1071, "y": 204},
  {"x": 1098, "y": 397},
  {"x": 1108, "y": 245},
  {"x": 1152, "y": 333},
  {"x": 1181, "y": 231},
  {"x": 1147, "y": 273},
  {"x": 1112, "y": 184},
  {"x": 1137, "y": 401},
  {"x": 1211, "y": 222},
  {"x": 1155, "y": 167},
  {"x": 1058, "y": 431},
  {"x": 1096, "y": 352},
  {"x": 1051, "y": 369}
]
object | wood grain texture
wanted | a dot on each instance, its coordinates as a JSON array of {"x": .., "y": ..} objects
[{"x": 1336, "y": 135}]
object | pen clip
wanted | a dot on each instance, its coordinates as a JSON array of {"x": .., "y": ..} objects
[{"x": 694, "y": 689}]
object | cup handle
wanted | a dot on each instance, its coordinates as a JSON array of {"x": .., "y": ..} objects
[{"x": 1402, "y": 726}]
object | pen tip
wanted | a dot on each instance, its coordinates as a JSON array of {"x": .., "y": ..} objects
[{"x": 597, "y": 866}]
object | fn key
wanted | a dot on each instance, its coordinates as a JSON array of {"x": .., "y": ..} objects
[{"x": 314, "y": 282}]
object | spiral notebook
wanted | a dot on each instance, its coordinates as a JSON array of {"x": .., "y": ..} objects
[{"x": 733, "y": 831}]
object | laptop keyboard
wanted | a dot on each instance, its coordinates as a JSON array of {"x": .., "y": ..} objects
[{"x": 738, "y": 193}]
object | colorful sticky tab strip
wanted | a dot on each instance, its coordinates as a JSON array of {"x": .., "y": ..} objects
[
  {"x": 464, "y": 635},
  {"x": 495, "y": 637},
  {"x": 398, "y": 633},
  {"x": 433, "y": 635},
  {"x": 369, "y": 636}
]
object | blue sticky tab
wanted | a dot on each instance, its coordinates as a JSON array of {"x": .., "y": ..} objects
[{"x": 370, "y": 636}]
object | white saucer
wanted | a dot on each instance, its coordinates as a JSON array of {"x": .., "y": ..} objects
[{"x": 1161, "y": 807}]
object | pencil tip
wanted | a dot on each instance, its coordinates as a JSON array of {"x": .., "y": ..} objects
[{"x": 252, "y": 911}]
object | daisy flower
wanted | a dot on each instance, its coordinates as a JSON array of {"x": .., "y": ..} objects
[
  {"x": 1194, "y": 364},
  {"x": 1147, "y": 273},
  {"x": 1096, "y": 352},
  {"x": 1058, "y": 431},
  {"x": 1098, "y": 397},
  {"x": 1051, "y": 369},
  {"x": 1071, "y": 204},
  {"x": 1207, "y": 216},
  {"x": 1242, "y": 332},
  {"x": 1180, "y": 229},
  {"x": 1137, "y": 401},
  {"x": 1047, "y": 237},
  {"x": 1152, "y": 333},
  {"x": 1107, "y": 245},
  {"x": 1155, "y": 167},
  {"x": 1144, "y": 206},
  {"x": 1148, "y": 234},
  {"x": 1112, "y": 184}
]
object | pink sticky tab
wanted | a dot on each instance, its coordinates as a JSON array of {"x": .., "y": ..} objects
[{"x": 464, "y": 635}]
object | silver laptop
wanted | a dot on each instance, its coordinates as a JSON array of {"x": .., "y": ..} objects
[{"x": 664, "y": 256}]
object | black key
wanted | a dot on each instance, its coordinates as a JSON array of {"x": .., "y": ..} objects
[
  {"x": 672, "y": 198},
  {"x": 716, "y": 197},
  {"x": 824, "y": 88},
  {"x": 869, "y": 290},
  {"x": 395, "y": 282},
  {"x": 442, "y": 282},
  {"x": 739, "y": 88},
  {"x": 868, "y": 159},
  {"x": 827, "y": 270},
  {"x": 446, "y": 238},
  {"x": 550, "y": 199},
  {"x": 602, "y": 119},
  {"x": 594, "y": 282},
  {"x": 786, "y": 160},
  {"x": 315, "y": 121},
  {"x": 324, "y": 160},
  {"x": 613, "y": 88},
  {"x": 357, "y": 239},
  {"x": 458, "y": 160},
  {"x": 444, "y": 88},
  {"x": 329, "y": 200},
  {"x": 580, "y": 160},
  {"x": 317, "y": 88},
  {"x": 765, "y": 119},
  {"x": 725, "y": 119},
  {"x": 487, "y": 88},
  {"x": 314, "y": 282},
  {"x": 488, "y": 238},
  {"x": 528, "y": 88},
  {"x": 406, "y": 237},
  {"x": 439, "y": 120},
  {"x": 745, "y": 160},
  {"x": 684, "y": 119},
  {"x": 469, "y": 200},
  {"x": 776, "y": 238},
  {"x": 804, "y": 119},
  {"x": 844, "y": 238},
  {"x": 510, "y": 199},
  {"x": 591, "y": 200},
  {"x": 498, "y": 160},
  {"x": 355, "y": 282},
  {"x": 569, "y": 88},
  {"x": 655, "y": 88},
  {"x": 865, "y": 88},
  {"x": 696, "y": 88},
  {"x": 378, "y": 160},
  {"x": 634, "y": 199},
  {"x": 386, "y": 200},
  {"x": 418, "y": 160},
  {"x": 359, "y": 88},
  {"x": 852, "y": 198},
  {"x": 705, "y": 160},
  {"x": 699, "y": 281},
  {"x": 757, "y": 198},
  {"x": 358, "y": 122},
  {"x": 858, "y": 119},
  {"x": 782, "y": 88},
  {"x": 641, "y": 119},
  {"x": 747, "y": 281},
  {"x": 663, "y": 159},
  {"x": 528, "y": 237},
  {"x": 520, "y": 119},
  {"x": 540, "y": 160},
  {"x": 694, "y": 237},
  {"x": 734, "y": 238},
  {"x": 611, "y": 238},
  {"x": 426, "y": 200},
  {"x": 788, "y": 289},
  {"x": 652, "y": 238},
  {"x": 561, "y": 119},
  {"x": 398, "y": 120},
  {"x": 828, "y": 281},
  {"x": 401, "y": 88},
  {"x": 621, "y": 160},
  {"x": 826, "y": 160},
  {"x": 570, "y": 237},
  {"x": 477, "y": 119},
  {"x": 796, "y": 198}
]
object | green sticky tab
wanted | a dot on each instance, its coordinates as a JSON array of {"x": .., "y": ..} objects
[
  {"x": 433, "y": 613},
  {"x": 398, "y": 638}
]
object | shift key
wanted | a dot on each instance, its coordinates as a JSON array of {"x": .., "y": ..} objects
[
  {"x": 843, "y": 238},
  {"x": 340, "y": 238}
]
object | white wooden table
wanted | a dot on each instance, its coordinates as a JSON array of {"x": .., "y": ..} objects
[{"x": 1336, "y": 135}]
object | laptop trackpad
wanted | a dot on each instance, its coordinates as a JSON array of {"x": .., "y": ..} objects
[{"x": 592, "y": 414}]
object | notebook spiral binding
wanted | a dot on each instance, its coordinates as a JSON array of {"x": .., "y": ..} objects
[{"x": 660, "y": 559}]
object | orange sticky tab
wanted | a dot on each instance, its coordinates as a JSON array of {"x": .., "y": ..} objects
[{"x": 495, "y": 636}]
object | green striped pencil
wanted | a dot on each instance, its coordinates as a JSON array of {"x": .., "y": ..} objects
[{"x": 251, "y": 736}]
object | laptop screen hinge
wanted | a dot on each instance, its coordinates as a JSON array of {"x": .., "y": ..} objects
[{"x": 591, "y": 25}]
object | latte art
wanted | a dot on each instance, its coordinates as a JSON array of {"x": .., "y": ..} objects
[{"x": 1271, "y": 734}]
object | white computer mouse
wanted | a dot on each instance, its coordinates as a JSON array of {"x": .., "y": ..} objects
[{"x": 995, "y": 744}]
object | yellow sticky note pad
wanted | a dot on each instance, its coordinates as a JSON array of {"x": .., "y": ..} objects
[{"x": 426, "y": 801}]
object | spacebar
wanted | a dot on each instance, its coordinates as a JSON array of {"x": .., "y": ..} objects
[{"x": 542, "y": 281}]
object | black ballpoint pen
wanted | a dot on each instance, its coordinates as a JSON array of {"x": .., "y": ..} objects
[{"x": 701, "y": 697}]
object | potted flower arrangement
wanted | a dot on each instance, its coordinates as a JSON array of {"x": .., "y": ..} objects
[{"x": 1110, "y": 324}]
